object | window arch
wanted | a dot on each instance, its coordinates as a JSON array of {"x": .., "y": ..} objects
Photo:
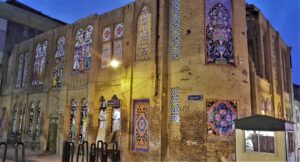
[{"x": 143, "y": 41}]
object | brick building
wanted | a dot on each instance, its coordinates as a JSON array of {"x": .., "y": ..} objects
[{"x": 189, "y": 70}]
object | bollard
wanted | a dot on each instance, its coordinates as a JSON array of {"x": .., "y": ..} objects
[
  {"x": 115, "y": 152},
  {"x": 99, "y": 150},
  {"x": 65, "y": 152},
  {"x": 79, "y": 152},
  {"x": 17, "y": 152},
  {"x": 93, "y": 153},
  {"x": 104, "y": 152},
  {"x": 4, "y": 152},
  {"x": 85, "y": 152},
  {"x": 71, "y": 151}
]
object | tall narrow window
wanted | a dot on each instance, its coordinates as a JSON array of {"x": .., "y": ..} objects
[
  {"x": 39, "y": 63},
  {"x": 218, "y": 24},
  {"x": 143, "y": 41},
  {"x": 82, "y": 51},
  {"x": 20, "y": 71},
  {"x": 25, "y": 70},
  {"x": 73, "y": 119},
  {"x": 59, "y": 63}
]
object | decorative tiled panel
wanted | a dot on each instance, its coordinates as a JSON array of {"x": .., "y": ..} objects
[
  {"x": 143, "y": 42},
  {"x": 73, "y": 119},
  {"x": 106, "y": 55},
  {"x": 106, "y": 34},
  {"x": 141, "y": 128},
  {"x": 175, "y": 105},
  {"x": 20, "y": 71},
  {"x": 174, "y": 29},
  {"x": 59, "y": 63},
  {"x": 82, "y": 51},
  {"x": 83, "y": 121},
  {"x": 221, "y": 115},
  {"x": 118, "y": 50},
  {"x": 119, "y": 30},
  {"x": 39, "y": 63},
  {"x": 25, "y": 69},
  {"x": 218, "y": 25}
]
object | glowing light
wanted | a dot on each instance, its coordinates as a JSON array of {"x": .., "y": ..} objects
[{"x": 115, "y": 63}]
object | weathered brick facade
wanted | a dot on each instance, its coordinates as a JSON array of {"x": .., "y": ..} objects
[{"x": 159, "y": 79}]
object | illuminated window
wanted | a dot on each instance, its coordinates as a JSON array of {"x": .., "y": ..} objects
[{"x": 260, "y": 141}]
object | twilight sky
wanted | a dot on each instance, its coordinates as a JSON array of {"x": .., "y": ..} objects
[{"x": 283, "y": 14}]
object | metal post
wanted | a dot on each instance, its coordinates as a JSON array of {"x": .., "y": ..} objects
[
  {"x": 98, "y": 151},
  {"x": 85, "y": 151},
  {"x": 17, "y": 152},
  {"x": 79, "y": 152},
  {"x": 93, "y": 153},
  {"x": 115, "y": 152},
  {"x": 104, "y": 152},
  {"x": 4, "y": 152},
  {"x": 71, "y": 151}
]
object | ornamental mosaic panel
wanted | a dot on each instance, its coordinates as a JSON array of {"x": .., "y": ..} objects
[
  {"x": 82, "y": 51},
  {"x": 218, "y": 24},
  {"x": 175, "y": 105},
  {"x": 25, "y": 69},
  {"x": 221, "y": 115},
  {"x": 141, "y": 128},
  {"x": 38, "y": 122},
  {"x": 118, "y": 50},
  {"x": 106, "y": 34},
  {"x": 39, "y": 63},
  {"x": 20, "y": 71},
  {"x": 106, "y": 55},
  {"x": 59, "y": 63},
  {"x": 143, "y": 41},
  {"x": 119, "y": 30},
  {"x": 73, "y": 120},
  {"x": 31, "y": 116},
  {"x": 83, "y": 120},
  {"x": 174, "y": 29},
  {"x": 2, "y": 122}
]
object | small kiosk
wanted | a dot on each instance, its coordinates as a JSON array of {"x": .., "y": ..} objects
[{"x": 264, "y": 138}]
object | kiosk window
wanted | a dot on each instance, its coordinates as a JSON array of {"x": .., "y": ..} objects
[{"x": 260, "y": 141}]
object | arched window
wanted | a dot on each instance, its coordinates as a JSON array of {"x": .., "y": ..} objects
[
  {"x": 39, "y": 63},
  {"x": 59, "y": 63},
  {"x": 143, "y": 41},
  {"x": 218, "y": 24},
  {"x": 20, "y": 71}
]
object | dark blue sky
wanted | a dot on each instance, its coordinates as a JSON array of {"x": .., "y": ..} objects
[{"x": 283, "y": 14}]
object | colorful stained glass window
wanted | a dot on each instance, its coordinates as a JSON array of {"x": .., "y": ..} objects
[
  {"x": 143, "y": 42},
  {"x": 218, "y": 24},
  {"x": 175, "y": 105},
  {"x": 106, "y": 54},
  {"x": 39, "y": 63},
  {"x": 82, "y": 51},
  {"x": 106, "y": 34},
  {"x": 141, "y": 128},
  {"x": 59, "y": 63},
  {"x": 174, "y": 29},
  {"x": 20, "y": 71},
  {"x": 221, "y": 115},
  {"x": 25, "y": 70},
  {"x": 119, "y": 30}
]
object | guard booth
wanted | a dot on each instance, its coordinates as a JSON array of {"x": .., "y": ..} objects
[{"x": 264, "y": 138}]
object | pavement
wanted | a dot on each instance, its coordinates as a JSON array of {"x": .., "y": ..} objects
[{"x": 31, "y": 156}]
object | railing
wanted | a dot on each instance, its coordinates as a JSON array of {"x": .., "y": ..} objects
[
  {"x": 4, "y": 151},
  {"x": 98, "y": 152}
]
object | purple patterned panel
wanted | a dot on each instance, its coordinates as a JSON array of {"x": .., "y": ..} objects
[{"x": 218, "y": 24}]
